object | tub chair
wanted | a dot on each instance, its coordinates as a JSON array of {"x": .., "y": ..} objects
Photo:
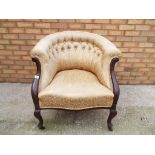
[{"x": 75, "y": 71}]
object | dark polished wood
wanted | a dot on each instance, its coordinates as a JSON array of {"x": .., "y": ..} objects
[
  {"x": 112, "y": 114},
  {"x": 116, "y": 92},
  {"x": 34, "y": 93},
  {"x": 37, "y": 114}
]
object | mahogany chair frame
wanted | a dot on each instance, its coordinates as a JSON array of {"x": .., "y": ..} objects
[{"x": 34, "y": 93}]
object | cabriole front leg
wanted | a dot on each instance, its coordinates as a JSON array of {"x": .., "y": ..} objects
[
  {"x": 112, "y": 114},
  {"x": 37, "y": 114}
]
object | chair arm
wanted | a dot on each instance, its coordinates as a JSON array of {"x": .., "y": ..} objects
[
  {"x": 35, "y": 83},
  {"x": 113, "y": 52},
  {"x": 109, "y": 48},
  {"x": 116, "y": 89},
  {"x": 40, "y": 50}
]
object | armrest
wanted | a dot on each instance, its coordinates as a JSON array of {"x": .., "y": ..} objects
[
  {"x": 40, "y": 50},
  {"x": 110, "y": 53},
  {"x": 109, "y": 48}
]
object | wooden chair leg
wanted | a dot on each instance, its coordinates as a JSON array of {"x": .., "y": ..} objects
[
  {"x": 112, "y": 114},
  {"x": 37, "y": 114}
]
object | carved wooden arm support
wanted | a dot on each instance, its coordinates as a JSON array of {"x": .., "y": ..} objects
[
  {"x": 116, "y": 89},
  {"x": 35, "y": 83}
]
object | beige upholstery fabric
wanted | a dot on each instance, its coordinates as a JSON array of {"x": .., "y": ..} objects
[
  {"x": 75, "y": 89},
  {"x": 73, "y": 50}
]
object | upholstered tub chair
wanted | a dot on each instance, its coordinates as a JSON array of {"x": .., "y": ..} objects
[{"x": 75, "y": 71}]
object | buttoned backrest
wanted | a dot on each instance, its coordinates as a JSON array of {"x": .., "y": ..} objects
[
  {"x": 73, "y": 50},
  {"x": 76, "y": 54}
]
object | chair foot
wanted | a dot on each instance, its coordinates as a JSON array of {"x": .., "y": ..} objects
[
  {"x": 112, "y": 114},
  {"x": 40, "y": 126},
  {"x": 37, "y": 114}
]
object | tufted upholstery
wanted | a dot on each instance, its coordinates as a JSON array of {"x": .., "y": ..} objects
[{"x": 69, "y": 50}]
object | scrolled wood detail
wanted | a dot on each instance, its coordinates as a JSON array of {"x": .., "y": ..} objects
[
  {"x": 35, "y": 83},
  {"x": 34, "y": 93},
  {"x": 116, "y": 89},
  {"x": 116, "y": 92}
]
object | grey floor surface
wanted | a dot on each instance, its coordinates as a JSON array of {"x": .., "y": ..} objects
[{"x": 136, "y": 113}]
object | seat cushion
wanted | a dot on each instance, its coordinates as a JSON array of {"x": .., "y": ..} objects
[{"x": 75, "y": 89}]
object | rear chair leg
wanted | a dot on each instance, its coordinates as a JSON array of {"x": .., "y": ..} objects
[
  {"x": 112, "y": 114},
  {"x": 37, "y": 114}
]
